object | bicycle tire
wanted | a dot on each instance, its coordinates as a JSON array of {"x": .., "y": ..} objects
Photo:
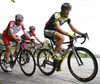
[
  {"x": 3, "y": 60},
  {"x": 42, "y": 54},
  {"x": 27, "y": 68},
  {"x": 93, "y": 60},
  {"x": 35, "y": 54}
]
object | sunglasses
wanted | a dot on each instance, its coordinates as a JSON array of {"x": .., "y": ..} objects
[
  {"x": 20, "y": 20},
  {"x": 32, "y": 29}
]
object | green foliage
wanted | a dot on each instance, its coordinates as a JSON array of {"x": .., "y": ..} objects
[
  {"x": 13, "y": 1},
  {"x": 0, "y": 35},
  {"x": 97, "y": 56}
]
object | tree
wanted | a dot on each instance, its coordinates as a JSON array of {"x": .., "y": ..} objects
[{"x": 13, "y": 1}]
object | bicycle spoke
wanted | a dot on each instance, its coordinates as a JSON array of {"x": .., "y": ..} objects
[
  {"x": 45, "y": 62},
  {"x": 85, "y": 71},
  {"x": 27, "y": 62}
]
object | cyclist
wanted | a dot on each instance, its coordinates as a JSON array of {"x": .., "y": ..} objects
[
  {"x": 31, "y": 33},
  {"x": 9, "y": 35},
  {"x": 53, "y": 31}
]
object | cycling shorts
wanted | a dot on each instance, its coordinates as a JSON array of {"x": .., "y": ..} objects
[
  {"x": 25, "y": 44},
  {"x": 50, "y": 34},
  {"x": 7, "y": 38}
]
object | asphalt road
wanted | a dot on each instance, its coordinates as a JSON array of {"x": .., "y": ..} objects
[{"x": 64, "y": 77}]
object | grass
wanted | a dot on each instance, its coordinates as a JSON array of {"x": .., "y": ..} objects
[{"x": 97, "y": 56}]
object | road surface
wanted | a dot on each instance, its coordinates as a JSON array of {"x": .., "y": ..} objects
[{"x": 64, "y": 77}]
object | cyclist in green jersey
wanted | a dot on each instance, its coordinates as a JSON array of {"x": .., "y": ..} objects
[{"x": 54, "y": 32}]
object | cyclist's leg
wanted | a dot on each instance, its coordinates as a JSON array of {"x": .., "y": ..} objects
[
  {"x": 60, "y": 49},
  {"x": 7, "y": 44},
  {"x": 8, "y": 47},
  {"x": 24, "y": 45},
  {"x": 17, "y": 48},
  {"x": 52, "y": 34},
  {"x": 60, "y": 39}
]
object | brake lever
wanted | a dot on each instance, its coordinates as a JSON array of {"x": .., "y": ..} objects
[
  {"x": 75, "y": 37},
  {"x": 87, "y": 36},
  {"x": 84, "y": 40}
]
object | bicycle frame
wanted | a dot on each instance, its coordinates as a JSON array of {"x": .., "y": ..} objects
[
  {"x": 20, "y": 49},
  {"x": 70, "y": 48},
  {"x": 35, "y": 49},
  {"x": 78, "y": 59}
]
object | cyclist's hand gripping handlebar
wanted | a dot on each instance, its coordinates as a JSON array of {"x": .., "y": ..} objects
[{"x": 84, "y": 36}]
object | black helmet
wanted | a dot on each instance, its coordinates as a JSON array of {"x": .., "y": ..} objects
[
  {"x": 66, "y": 5},
  {"x": 32, "y": 27}
]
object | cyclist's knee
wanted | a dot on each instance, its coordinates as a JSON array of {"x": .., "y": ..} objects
[
  {"x": 8, "y": 48},
  {"x": 59, "y": 37},
  {"x": 25, "y": 47},
  {"x": 62, "y": 38}
]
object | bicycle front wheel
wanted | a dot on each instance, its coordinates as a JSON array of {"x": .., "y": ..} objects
[
  {"x": 84, "y": 65},
  {"x": 45, "y": 62},
  {"x": 3, "y": 60},
  {"x": 27, "y": 62}
]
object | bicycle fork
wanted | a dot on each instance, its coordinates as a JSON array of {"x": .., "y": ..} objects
[{"x": 78, "y": 58}]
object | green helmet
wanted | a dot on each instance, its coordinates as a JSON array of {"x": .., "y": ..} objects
[{"x": 66, "y": 5}]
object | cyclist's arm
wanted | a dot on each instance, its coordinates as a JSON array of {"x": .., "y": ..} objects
[
  {"x": 74, "y": 29},
  {"x": 26, "y": 34},
  {"x": 12, "y": 34},
  {"x": 57, "y": 25},
  {"x": 38, "y": 39}
]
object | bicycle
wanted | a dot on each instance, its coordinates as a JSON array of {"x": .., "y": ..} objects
[
  {"x": 78, "y": 58},
  {"x": 24, "y": 57},
  {"x": 34, "y": 48}
]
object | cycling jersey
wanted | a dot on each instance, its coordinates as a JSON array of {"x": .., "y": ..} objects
[
  {"x": 15, "y": 28},
  {"x": 56, "y": 17},
  {"x": 25, "y": 38},
  {"x": 30, "y": 34},
  {"x": 7, "y": 39},
  {"x": 6, "y": 34}
]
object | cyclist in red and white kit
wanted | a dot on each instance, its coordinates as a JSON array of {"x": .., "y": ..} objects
[
  {"x": 31, "y": 33},
  {"x": 9, "y": 35}
]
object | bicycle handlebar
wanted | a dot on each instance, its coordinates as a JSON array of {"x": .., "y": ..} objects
[
  {"x": 80, "y": 36},
  {"x": 76, "y": 37}
]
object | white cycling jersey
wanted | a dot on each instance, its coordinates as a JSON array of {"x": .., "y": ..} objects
[{"x": 15, "y": 28}]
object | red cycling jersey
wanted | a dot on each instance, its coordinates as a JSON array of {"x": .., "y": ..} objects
[
  {"x": 25, "y": 38},
  {"x": 15, "y": 28},
  {"x": 6, "y": 34}
]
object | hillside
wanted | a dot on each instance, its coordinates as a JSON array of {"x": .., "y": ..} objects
[{"x": 0, "y": 35}]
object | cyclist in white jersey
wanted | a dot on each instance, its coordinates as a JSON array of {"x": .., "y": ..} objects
[{"x": 9, "y": 35}]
